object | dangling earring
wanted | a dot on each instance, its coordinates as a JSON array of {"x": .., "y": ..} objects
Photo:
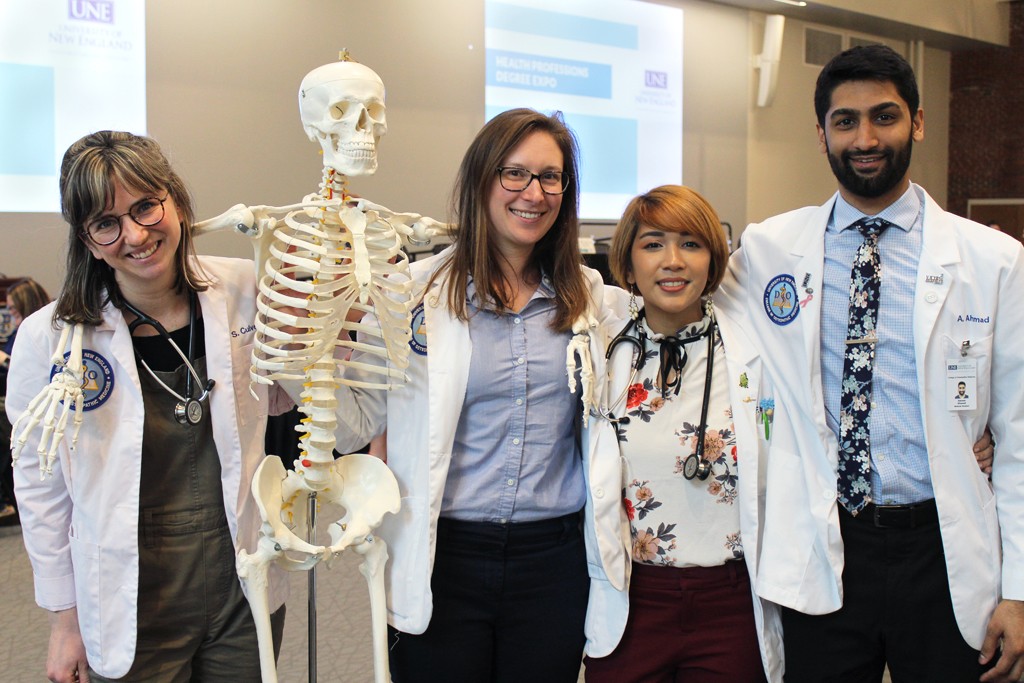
[
  {"x": 634, "y": 310},
  {"x": 709, "y": 307}
]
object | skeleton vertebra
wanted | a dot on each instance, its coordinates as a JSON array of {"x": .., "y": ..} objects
[{"x": 323, "y": 259}]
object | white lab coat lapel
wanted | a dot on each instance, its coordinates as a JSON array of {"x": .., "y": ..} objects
[
  {"x": 223, "y": 401},
  {"x": 448, "y": 362},
  {"x": 939, "y": 249},
  {"x": 809, "y": 253}
]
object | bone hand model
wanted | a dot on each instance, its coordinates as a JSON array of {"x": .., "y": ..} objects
[
  {"x": 63, "y": 393},
  {"x": 321, "y": 264}
]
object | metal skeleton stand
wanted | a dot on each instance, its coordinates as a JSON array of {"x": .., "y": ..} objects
[{"x": 311, "y": 582}]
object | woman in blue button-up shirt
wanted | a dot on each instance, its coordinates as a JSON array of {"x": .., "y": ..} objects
[{"x": 488, "y": 579}]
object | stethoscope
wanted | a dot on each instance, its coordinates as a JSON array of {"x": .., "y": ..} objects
[
  {"x": 695, "y": 466},
  {"x": 188, "y": 410}
]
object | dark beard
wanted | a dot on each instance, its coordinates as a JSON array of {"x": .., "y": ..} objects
[{"x": 897, "y": 161}]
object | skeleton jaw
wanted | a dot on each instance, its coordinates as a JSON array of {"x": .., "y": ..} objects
[{"x": 348, "y": 157}]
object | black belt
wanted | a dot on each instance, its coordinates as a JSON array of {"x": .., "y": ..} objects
[{"x": 900, "y": 516}]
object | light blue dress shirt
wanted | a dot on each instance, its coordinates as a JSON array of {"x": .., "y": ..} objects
[
  {"x": 899, "y": 457},
  {"x": 515, "y": 457}
]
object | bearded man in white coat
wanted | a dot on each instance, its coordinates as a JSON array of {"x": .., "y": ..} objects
[{"x": 883, "y": 541}]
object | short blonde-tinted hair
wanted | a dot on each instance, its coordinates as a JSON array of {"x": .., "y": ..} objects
[{"x": 672, "y": 208}]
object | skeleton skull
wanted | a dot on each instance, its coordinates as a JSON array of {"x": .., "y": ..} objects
[{"x": 342, "y": 107}]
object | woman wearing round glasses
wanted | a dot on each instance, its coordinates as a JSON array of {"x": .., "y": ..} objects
[
  {"x": 488, "y": 577},
  {"x": 133, "y": 538}
]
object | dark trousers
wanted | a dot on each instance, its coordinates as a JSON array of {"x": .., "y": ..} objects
[
  {"x": 509, "y": 606},
  {"x": 692, "y": 624},
  {"x": 896, "y": 611},
  {"x": 6, "y": 470}
]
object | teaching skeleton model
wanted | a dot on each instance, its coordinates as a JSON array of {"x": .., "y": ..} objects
[
  {"x": 320, "y": 266},
  {"x": 330, "y": 256}
]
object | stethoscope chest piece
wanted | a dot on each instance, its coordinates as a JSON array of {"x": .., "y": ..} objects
[
  {"x": 188, "y": 412},
  {"x": 696, "y": 467}
]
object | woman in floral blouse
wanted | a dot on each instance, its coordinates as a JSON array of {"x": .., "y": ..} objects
[{"x": 692, "y": 615}]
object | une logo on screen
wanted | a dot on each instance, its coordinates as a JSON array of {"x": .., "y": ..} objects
[
  {"x": 656, "y": 79},
  {"x": 92, "y": 10}
]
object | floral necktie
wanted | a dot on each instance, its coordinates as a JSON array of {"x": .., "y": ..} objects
[{"x": 854, "y": 485}]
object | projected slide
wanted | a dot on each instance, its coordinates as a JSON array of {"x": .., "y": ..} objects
[
  {"x": 614, "y": 68},
  {"x": 67, "y": 68}
]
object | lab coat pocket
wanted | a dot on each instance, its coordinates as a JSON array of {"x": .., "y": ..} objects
[
  {"x": 789, "y": 539},
  {"x": 85, "y": 557},
  {"x": 977, "y": 350}
]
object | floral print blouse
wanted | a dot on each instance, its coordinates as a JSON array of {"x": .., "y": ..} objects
[{"x": 674, "y": 521}]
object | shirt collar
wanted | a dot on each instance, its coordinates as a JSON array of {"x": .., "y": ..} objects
[
  {"x": 688, "y": 331},
  {"x": 902, "y": 213},
  {"x": 545, "y": 290}
]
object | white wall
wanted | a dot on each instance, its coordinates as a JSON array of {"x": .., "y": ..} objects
[
  {"x": 223, "y": 78},
  {"x": 785, "y": 169}
]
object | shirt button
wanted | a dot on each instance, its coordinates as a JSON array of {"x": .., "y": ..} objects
[
  {"x": 881, "y": 456},
  {"x": 503, "y": 520},
  {"x": 516, "y": 441},
  {"x": 517, "y": 320},
  {"x": 873, "y": 405},
  {"x": 598, "y": 493},
  {"x": 520, "y": 360},
  {"x": 931, "y": 297},
  {"x": 519, "y": 401},
  {"x": 511, "y": 482}
]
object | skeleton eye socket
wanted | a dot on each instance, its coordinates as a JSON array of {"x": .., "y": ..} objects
[
  {"x": 376, "y": 111},
  {"x": 338, "y": 110}
]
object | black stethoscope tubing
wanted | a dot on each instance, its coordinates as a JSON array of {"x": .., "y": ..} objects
[
  {"x": 188, "y": 410},
  {"x": 695, "y": 466}
]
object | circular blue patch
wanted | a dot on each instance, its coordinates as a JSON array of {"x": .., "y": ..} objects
[
  {"x": 780, "y": 300},
  {"x": 418, "y": 343},
  {"x": 98, "y": 379}
]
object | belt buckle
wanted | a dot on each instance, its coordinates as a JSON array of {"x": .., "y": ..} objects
[{"x": 892, "y": 512}]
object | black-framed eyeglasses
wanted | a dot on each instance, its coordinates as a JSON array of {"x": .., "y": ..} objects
[
  {"x": 515, "y": 179},
  {"x": 145, "y": 212}
]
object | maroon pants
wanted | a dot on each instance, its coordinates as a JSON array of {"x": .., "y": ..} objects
[{"x": 692, "y": 625}]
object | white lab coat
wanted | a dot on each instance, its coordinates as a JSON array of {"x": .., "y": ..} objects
[
  {"x": 606, "y": 524},
  {"x": 969, "y": 285},
  {"x": 421, "y": 417},
  {"x": 81, "y": 524}
]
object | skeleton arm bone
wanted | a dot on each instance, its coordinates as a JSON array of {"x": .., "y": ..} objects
[
  {"x": 258, "y": 223},
  {"x": 253, "y": 221},
  {"x": 414, "y": 228}
]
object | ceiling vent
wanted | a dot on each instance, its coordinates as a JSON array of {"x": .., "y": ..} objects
[{"x": 821, "y": 46}]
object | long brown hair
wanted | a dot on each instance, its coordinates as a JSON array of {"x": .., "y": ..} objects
[
  {"x": 475, "y": 253},
  {"x": 88, "y": 174},
  {"x": 26, "y": 297}
]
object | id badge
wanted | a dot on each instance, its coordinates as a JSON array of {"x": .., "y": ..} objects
[{"x": 962, "y": 384}]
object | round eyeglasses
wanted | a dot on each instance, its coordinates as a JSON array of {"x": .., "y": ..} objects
[
  {"x": 516, "y": 179},
  {"x": 145, "y": 212}
]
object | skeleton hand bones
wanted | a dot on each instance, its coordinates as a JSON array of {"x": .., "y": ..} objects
[{"x": 65, "y": 388}]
